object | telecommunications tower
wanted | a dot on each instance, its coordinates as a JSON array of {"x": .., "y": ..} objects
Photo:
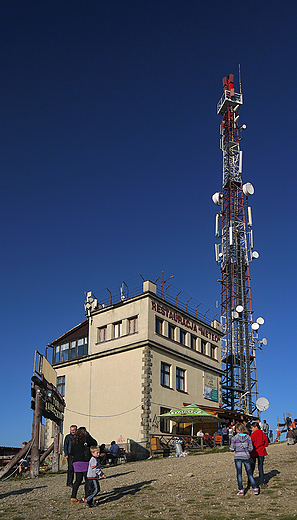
[{"x": 234, "y": 254}]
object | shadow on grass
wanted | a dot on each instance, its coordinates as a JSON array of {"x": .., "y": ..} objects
[
  {"x": 267, "y": 477},
  {"x": 119, "y": 474},
  {"x": 122, "y": 492},
  {"x": 271, "y": 474},
  {"x": 20, "y": 491}
]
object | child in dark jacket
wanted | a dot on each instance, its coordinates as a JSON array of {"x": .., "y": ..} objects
[
  {"x": 242, "y": 445},
  {"x": 93, "y": 474}
]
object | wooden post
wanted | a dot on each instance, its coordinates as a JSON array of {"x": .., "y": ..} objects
[
  {"x": 35, "y": 456},
  {"x": 56, "y": 451}
]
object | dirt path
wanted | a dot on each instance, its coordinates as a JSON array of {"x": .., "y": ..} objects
[{"x": 200, "y": 487}]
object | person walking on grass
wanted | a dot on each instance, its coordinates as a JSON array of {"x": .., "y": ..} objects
[
  {"x": 94, "y": 472},
  {"x": 260, "y": 443},
  {"x": 80, "y": 451},
  {"x": 241, "y": 445},
  {"x": 67, "y": 449}
]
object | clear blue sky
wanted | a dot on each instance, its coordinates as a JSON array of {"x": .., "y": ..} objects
[{"x": 109, "y": 156}]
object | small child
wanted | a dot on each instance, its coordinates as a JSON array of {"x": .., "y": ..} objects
[
  {"x": 94, "y": 471},
  {"x": 290, "y": 436},
  {"x": 24, "y": 463},
  {"x": 242, "y": 444}
]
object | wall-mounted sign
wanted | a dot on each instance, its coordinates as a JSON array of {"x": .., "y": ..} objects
[
  {"x": 211, "y": 387},
  {"x": 53, "y": 402},
  {"x": 184, "y": 322}
]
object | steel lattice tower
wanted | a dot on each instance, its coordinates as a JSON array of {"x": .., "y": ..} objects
[{"x": 234, "y": 254}]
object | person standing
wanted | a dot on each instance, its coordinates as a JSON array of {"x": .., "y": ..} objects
[
  {"x": 290, "y": 436},
  {"x": 80, "y": 450},
  {"x": 242, "y": 445},
  {"x": 225, "y": 435},
  {"x": 260, "y": 442},
  {"x": 93, "y": 474},
  {"x": 67, "y": 450},
  {"x": 266, "y": 429},
  {"x": 294, "y": 426}
]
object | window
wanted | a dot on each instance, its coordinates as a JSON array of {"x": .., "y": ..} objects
[
  {"x": 65, "y": 352},
  {"x": 76, "y": 348},
  {"x": 159, "y": 326},
  {"x": 213, "y": 349},
  {"x": 57, "y": 354},
  {"x": 171, "y": 331},
  {"x": 61, "y": 385},
  {"x": 165, "y": 374},
  {"x": 203, "y": 347},
  {"x": 132, "y": 325},
  {"x": 193, "y": 342},
  {"x": 80, "y": 347},
  {"x": 117, "y": 329},
  {"x": 182, "y": 337},
  {"x": 102, "y": 334},
  {"x": 72, "y": 349},
  {"x": 180, "y": 379},
  {"x": 164, "y": 423}
]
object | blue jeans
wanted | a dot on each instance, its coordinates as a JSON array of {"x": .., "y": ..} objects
[
  {"x": 248, "y": 469},
  {"x": 260, "y": 467}
]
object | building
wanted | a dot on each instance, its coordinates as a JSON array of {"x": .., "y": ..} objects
[{"x": 133, "y": 360}]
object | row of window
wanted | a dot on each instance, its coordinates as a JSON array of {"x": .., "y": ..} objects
[
  {"x": 71, "y": 350},
  {"x": 180, "y": 377},
  {"x": 185, "y": 338},
  {"x": 117, "y": 329}
]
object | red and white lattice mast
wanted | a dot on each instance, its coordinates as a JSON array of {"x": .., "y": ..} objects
[{"x": 234, "y": 254}]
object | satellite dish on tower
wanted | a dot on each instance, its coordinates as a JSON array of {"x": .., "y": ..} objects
[
  {"x": 239, "y": 308},
  {"x": 255, "y": 326},
  {"x": 262, "y": 404},
  {"x": 248, "y": 189}
]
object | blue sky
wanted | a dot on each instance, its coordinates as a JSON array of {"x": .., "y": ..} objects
[{"x": 109, "y": 156}]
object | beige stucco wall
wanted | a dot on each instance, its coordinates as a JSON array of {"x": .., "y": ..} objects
[{"x": 105, "y": 396}]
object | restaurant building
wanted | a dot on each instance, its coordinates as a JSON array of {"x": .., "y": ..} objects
[{"x": 134, "y": 359}]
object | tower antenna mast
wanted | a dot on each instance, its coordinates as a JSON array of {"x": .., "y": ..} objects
[{"x": 233, "y": 254}]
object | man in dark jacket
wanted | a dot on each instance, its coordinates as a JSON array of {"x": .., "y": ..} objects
[{"x": 67, "y": 450}]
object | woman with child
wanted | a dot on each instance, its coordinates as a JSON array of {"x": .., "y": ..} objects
[{"x": 80, "y": 451}]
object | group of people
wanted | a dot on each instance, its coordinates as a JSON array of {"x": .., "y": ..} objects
[
  {"x": 84, "y": 457},
  {"x": 247, "y": 450}
]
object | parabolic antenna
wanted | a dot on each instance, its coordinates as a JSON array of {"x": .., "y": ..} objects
[
  {"x": 264, "y": 341},
  {"x": 260, "y": 320},
  {"x": 239, "y": 308},
  {"x": 248, "y": 189},
  {"x": 217, "y": 198},
  {"x": 262, "y": 404},
  {"x": 255, "y": 326}
]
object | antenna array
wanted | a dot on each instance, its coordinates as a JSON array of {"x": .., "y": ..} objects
[{"x": 233, "y": 254}]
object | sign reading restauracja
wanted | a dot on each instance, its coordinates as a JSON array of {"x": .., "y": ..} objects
[{"x": 164, "y": 311}]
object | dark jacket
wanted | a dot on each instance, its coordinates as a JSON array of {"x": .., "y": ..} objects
[
  {"x": 81, "y": 451},
  {"x": 67, "y": 444}
]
